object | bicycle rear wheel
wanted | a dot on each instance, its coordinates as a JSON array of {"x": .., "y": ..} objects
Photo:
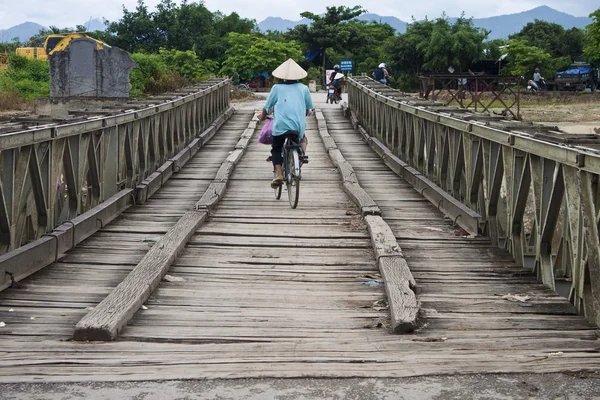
[{"x": 292, "y": 178}]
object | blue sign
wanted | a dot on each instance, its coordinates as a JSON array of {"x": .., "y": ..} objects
[{"x": 345, "y": 65}]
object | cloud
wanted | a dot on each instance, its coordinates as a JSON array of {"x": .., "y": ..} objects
[{"x": 68, "y": 13}]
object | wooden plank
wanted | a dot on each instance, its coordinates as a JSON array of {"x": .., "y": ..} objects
[
  {"x": 400, "y": 285},
  {"x": 112, "y": 314}
]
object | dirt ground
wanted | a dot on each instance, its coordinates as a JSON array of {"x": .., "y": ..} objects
[{"x": 567, "y": 108}]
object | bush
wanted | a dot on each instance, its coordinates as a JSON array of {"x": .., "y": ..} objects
[
  {"x": 406, "y": 83},
  {"x": 26, "y": 77},
  {"x": 166, "y": 71}
]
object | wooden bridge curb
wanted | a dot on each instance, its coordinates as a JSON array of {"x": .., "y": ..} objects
[
  {"x": 400, "y": 285},
  {"x": 350, "y": 183},
  {"x": 105, "y": 322},
  {"x": 462, "y": 215}
]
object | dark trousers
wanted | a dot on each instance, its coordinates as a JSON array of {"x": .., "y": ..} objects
[{"x": 276, "y": 149}]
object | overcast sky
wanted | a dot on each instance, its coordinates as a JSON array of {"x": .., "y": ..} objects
[{"x": 68, "y": 13}]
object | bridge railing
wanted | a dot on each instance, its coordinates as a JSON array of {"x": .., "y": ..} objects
[
  {"x": 51, "y": 174},
  {"x": 536, "y": 190}
]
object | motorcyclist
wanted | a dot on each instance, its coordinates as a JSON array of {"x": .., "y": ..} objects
[
  {"x": 336, "y": 83},
  {"x": 334, "y": 80},
  {"x": 538, "y": 79},
  {"x": 336, "y": 70},
  {"x": 381, "y": 74}
]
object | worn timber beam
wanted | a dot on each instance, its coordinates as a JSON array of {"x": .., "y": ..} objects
[
  {"x": 107, "y": 320},
  {"x": 399, "y": 283},
  {"x": 531, "y": 189}
]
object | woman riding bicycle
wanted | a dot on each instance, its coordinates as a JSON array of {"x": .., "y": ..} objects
[{"x": 291, "y": 103}]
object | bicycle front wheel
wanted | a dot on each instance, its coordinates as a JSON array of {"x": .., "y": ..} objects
[{"x": 293, "y": 177}]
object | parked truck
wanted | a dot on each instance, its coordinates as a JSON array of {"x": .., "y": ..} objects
[{"x": 578, "y": 76}]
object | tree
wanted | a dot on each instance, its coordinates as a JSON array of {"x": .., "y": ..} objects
[
  {"x": 592, "y": 48},
  {"x": 329, "y": 31},
  {"x": 434, "y": 46},
  {"x": 135, "y": 31},
  {"x": 406, "y": 52},
  {"x": 366, "y": 42},
  {"x": 183, "y": 26},
  {"x": 457, "y": 45},
  {"x": 524, "y": 58},
  {"x": 571, "y": 43},
  {"x": 253, "y": 54},
  {"x": 552, "y": 38}
]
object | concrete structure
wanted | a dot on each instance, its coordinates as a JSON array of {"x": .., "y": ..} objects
[{"x": 83, "y": 70}]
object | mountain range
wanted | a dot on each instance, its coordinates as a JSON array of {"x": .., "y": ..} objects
[
  {"x": 26, "y": 30},
  {"x": 500, "y": 26}
]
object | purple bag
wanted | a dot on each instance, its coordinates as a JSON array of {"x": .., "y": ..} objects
[{"x": 266, "y": 135}]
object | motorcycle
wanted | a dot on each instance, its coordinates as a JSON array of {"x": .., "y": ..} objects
[
  {"x": 533, "y": 87},
  {"x": 332, "y": 95}
]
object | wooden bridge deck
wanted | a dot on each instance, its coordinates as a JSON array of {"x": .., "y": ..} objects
[{"x": 265, "y": 291}]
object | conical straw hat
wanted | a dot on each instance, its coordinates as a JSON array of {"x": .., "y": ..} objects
[
  {"x": 338, "y": 76},
  {"x": 290, "y": 71}
]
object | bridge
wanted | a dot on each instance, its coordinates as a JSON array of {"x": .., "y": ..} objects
[{"x": 144, "y": 243}]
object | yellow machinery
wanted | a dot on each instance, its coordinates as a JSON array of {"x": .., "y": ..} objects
[{"x": 53, "y": 43}]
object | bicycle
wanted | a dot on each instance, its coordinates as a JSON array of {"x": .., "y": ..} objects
[{"x": 293, "y": 159}]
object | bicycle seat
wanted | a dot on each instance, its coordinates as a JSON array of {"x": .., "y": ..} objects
[{"x": 293, "y": 136}]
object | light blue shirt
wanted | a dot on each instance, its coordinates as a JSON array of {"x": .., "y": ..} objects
[{"x": 290, "y": 103}]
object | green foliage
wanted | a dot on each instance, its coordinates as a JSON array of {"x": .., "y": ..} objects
[
  {"x": 168, "y": 70},
  {"x": 28, "y": 78},
  {"x": 187, "y": 64},
  {"x": 327, "y": 31},
  {"x": 365, "y": 45},
  {"x": 330, "y": 31},
  {"x": 434, "y": 46},
  {"x": 9, "y": 48},
  {"x": 592, "y": 48},
  {"x": 149, "y": 76},
  {"x": 251, "y": 54},
  {"x": 457, "y": 45},
  {"x": 524, "y": 58},
  {"x": 406, "y": 52},
  {"x": 552, "y": 38},
  {"x": 314, "y": 74},
  {"x": 173, "y": 26}
]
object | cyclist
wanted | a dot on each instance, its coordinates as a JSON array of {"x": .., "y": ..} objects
[{"x": 291, "y": 102}]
